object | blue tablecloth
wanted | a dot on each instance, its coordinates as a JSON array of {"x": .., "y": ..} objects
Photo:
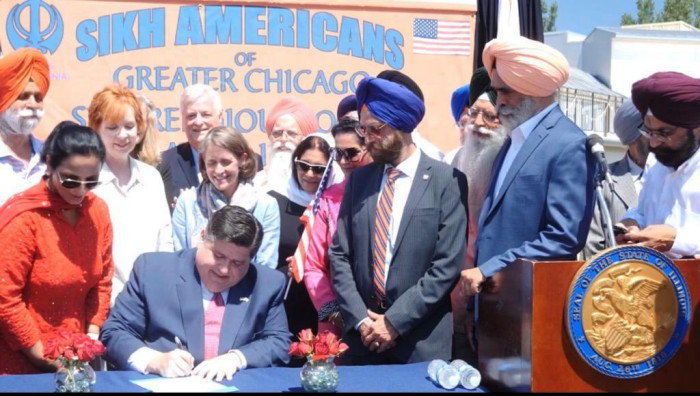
[{"x": 394, "y": 378}]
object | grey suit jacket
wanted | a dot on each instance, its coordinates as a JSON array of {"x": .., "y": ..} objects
[
  {"x": 624, "y": 196},
  {"x": 428, "y": 256}
]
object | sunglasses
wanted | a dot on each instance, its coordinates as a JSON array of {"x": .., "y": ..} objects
[
  {"x": 305, "y": 166},
  {"x": 350, "y": 154},
  {"x": 374, "y": 130},
  {"x": 72, "y": 183}
]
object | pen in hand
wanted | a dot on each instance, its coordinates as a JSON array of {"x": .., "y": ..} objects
[{"x": 179, "y": 345}]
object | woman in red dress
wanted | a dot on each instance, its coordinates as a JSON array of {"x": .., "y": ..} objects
[{"x": 55, "y": 253}]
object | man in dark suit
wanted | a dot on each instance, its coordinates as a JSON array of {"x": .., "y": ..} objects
[
  {"x": 200, "y": 111},
  {"x": 626, "y": 175},
  {"x": 205, "y": 311},
  {"x": 400, "y": 240},
  {"x": 540, "y": 200}
]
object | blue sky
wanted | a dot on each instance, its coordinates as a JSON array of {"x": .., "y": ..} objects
[{"x": 582, "y": 16}]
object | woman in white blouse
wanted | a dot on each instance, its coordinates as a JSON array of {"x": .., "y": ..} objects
[{"x": 133, "y": 190}]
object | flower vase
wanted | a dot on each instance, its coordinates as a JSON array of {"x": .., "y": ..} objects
[
  {"x": 319, "y": 375},
  {"x": 75, "y": 376}
]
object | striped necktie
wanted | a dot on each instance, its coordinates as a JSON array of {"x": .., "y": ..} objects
[{"x": 382, "y": 221}]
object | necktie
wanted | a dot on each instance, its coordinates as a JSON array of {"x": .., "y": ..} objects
[
  {"x": 382, "y": 221},
  {"x": 212, "y": 326}
]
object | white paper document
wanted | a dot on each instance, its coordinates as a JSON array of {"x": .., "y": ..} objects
[{"x": 182, "y": 384}]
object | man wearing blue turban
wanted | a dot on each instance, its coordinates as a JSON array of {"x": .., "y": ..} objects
[{"x": 405, "y": 215}]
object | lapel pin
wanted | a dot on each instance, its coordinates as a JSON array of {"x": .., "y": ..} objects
[
  {"x": 426, "y": 177},
  {"x": 245, "y": 299}
]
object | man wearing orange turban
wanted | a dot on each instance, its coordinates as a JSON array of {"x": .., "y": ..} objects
[
  {"x": 288, "y": 122},
  {"x": 24, "y": 81},
  {"x": 543, "y": 166}
]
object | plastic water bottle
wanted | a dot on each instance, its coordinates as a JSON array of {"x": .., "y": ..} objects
[
  {"x": 443, "y": 374},
  {"x": 433, "y": 368},
  {"x": 469, "y": 377},
  {"x": 448, "y": 377}
]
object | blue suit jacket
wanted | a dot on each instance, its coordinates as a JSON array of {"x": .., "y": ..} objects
[
  {"x": 178, "y": 170},
  {"x": 544, "y": 207},
  {"x": 428, "y": 255},
  {"x": 163, "y": 299}
]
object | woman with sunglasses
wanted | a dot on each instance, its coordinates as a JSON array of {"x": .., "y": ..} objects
[
  {"x": 56, "y": 255},
  {"x": 350, "y": 153},
  {"x": 309, "y": 161},
  {"x": 133, "y": 190},
  {"x": 228, "y": 166}
]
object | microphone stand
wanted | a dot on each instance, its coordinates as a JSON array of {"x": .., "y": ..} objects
[{"x": 605, "y": 213}]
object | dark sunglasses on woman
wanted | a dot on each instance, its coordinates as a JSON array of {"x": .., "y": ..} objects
[
  {"x": 350, "y": 154},
  {"x": 72, "y": 183},
  {"x": 305, "y": 166}
]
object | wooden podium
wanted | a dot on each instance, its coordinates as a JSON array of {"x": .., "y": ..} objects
[{"x": 524, "y": 344}]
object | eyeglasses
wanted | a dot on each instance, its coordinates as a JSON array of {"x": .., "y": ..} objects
[
  {"x": 374, "y": 130},
  {"x": 280, "y": 132},
  {"x": 661, "y": 136},
  {"x": 488, "y": 116},
  {"x": 72, "y": 183},
  {"x": 350, "y": 154},
  {"x": 305, "y": 166}
]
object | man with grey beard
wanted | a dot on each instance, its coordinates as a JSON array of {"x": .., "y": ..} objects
[
  {"x": 540, "y": 199},
  {"x": 483, "y": 138},
  {"x": 24, "y": 81}
]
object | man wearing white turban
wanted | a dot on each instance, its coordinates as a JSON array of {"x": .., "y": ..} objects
[{"x": 540, "y": 201}]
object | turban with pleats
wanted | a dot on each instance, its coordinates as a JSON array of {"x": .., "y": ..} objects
[
  {"x": 673, "y": 98},
  {"x": 527, "y": 66},
  {"x": 390, "y": 102},
  {"x": 301, "y": 113},
  {"x": 16, "y": 69}
]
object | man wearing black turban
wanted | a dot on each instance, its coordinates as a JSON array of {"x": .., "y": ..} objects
[
  {"x": 667, "y": 217},
  {"x": 405, "y": 216}
]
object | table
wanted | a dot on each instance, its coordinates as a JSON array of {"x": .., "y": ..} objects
[{"x": 390, "y": 378}]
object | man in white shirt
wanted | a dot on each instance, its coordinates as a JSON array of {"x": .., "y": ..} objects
[
  {"x": 667, "y": 217},
  {"x": 204, "y": 311},
  {"x": 24, "y": 81}
]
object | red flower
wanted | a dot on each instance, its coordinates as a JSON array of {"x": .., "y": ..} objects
[
  {"x": 306, "y": 336},
  {"x": 323, "y": 346},
  {"x": 66, "y": 346},
  {"x": 304, "y": 349},
  {"x": 321, "y": 351}
]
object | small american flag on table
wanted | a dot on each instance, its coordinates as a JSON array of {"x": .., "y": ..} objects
[{"x": 433, "y": 36}]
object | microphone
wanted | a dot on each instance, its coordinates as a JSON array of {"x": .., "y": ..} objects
[{"x": 595, "y": 145}]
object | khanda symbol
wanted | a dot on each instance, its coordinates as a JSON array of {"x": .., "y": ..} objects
[{"x": 46, "y": 39}]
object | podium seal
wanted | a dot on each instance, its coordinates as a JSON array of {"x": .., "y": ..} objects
[{"x": 628, "y": 311}]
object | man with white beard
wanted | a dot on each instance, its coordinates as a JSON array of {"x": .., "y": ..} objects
[
  {"x": 483, "y": 138},
  {"x": 24, "y": 81},
  {"x": 287, "y": 124}
]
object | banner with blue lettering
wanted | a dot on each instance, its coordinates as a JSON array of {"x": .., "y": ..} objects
[{"x": 252, "y": 53}]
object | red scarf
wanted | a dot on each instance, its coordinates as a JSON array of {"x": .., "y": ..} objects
[{"x": 37, "y": 196}]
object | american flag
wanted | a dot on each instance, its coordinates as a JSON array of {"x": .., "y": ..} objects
[
  {"x": 307, "y": 219},
  {"x": 433, "y": 36}
]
